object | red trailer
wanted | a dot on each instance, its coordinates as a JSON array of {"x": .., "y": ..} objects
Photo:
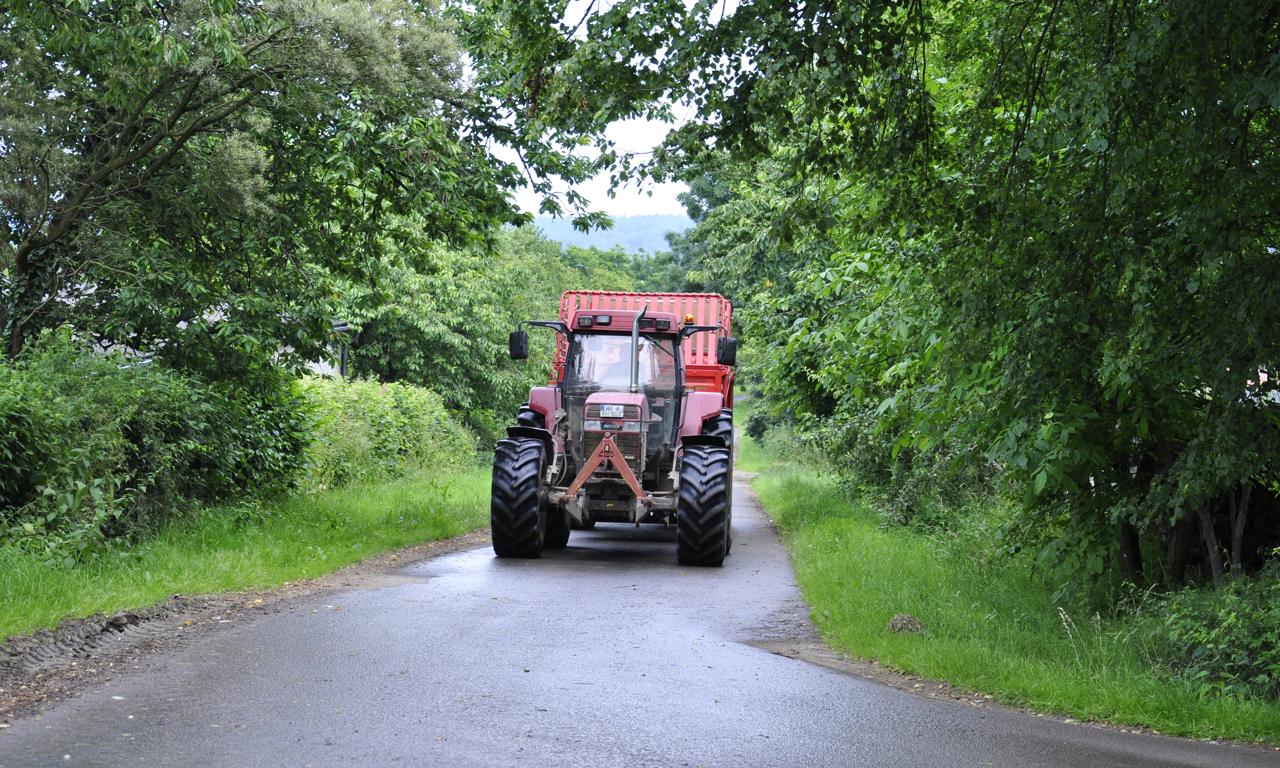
[
  {"x": 636, "y": 426},
  {"x": 702, "y": 372}
]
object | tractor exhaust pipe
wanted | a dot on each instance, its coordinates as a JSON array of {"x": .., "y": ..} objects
[{"x": 635, "y": 349}]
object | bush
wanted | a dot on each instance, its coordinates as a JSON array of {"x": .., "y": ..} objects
[
  {"x": 757, "y": 424},
  {"x": 92, "y": 447},
  {"x": 263, "y": 425},
  {"x": 1227, "y": 639},
  {"x": 364, "y": 431},
  {"x": 925, "y": 490}
]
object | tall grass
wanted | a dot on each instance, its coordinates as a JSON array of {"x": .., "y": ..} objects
[
  {"x": 990, "y": 625},
  {"x": 244, "y": 546}
]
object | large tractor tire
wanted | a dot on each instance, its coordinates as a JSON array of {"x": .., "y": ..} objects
[
  {"x": 527, "y": 417},
  {"x": 703, "y": 506},
  {"x": 720, "y": 426},
  {"x": 557, "y": 528},
  {"x": 516, "y": 518}
]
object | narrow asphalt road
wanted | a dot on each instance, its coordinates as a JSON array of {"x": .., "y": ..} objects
[{"x": 604, "y": 654}]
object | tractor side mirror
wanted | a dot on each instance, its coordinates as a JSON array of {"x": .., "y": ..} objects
[
  {"x": 727, "y": 350},
  {"x": 518, "y": 345}
]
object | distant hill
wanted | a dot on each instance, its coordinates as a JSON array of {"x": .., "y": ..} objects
[{"x": 632, "y": 233}]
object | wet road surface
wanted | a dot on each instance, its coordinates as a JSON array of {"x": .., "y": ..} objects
[{"x": 606, "y": 654}]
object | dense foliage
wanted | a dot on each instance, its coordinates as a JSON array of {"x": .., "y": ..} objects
[
  {"x": 93, "y": 446},
  {"x": 1226, "y": 639},
  {"x": 364, "y": 431}
]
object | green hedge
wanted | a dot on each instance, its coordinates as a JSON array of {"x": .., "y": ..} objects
[
  {"x": 92, "y": 447},
  {"x": 366, "y": 431},
  {"x": 1225, "y": 639}
]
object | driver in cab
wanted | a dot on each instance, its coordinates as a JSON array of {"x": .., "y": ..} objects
[{"x": 609, "y": 363}]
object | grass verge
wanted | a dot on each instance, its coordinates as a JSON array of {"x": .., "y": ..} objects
[
  {"x": 748, "y": 455},
  {"x": 246, "y": 546},
  {"x": 990, "y": 625}
]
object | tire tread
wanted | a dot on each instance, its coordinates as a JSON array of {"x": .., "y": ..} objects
[
  {"x": 702, "y": 507},
  {"x": 515, "y": 519}
]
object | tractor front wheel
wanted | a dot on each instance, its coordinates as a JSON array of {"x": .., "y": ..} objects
[
  {"x": 702, "y": 508},
  {"x": 720, "y": 426},
  {"x": 527, "y": 417},
  {"x": 516, "y": 518}
]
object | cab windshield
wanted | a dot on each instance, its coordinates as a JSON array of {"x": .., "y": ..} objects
[{"x": 602, "y": 362}]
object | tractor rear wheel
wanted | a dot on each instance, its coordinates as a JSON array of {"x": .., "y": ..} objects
[
  {"x": 516, "y": 518},
  {"x": 702, "y": 508},
  {"x": 557, "y": 528}
]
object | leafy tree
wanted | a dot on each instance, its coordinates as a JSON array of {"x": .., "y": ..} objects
[
  {"x": 1074, "y": 293},
  {"x": 193, "y": 177},
  {"x": 753, "y": 72}
]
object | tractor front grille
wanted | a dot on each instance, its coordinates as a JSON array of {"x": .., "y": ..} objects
[{"x": 628, "y": 444}]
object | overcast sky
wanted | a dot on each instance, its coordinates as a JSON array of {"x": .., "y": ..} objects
[
  {"x": 631, "y": 200},
  {"x": 629, "y": 136}
]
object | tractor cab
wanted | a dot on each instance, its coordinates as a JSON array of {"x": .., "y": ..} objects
[{"x": 623, "y": 384}]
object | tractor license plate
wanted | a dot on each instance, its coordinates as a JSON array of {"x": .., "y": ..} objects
[{"x": 611, "y": 411}]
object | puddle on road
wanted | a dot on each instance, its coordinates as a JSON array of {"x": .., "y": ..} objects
[
  {"x": 455, "y": 569},
  {"x": 388, "y": 580}
]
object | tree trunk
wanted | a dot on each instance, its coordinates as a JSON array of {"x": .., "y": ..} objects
[
  {"x": 1184, "y": 535},
  {"x": 30, "y": 291},
  {"x": 1130, "y": 552},
  {"x": 17, "y": 340},
  {"x": 14, "y": 325},
  {"x": 1210, "y": 539},
  {"x": 1239, "y": 516}
]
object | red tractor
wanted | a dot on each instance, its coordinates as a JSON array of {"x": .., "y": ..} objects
[{"x": 635, "y": 427}]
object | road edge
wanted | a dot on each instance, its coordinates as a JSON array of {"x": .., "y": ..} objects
[
  {"x": 41, "y": 669},
  {"x": 818, "y": 650}
]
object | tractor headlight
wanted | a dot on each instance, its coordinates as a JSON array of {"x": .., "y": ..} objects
[
  {"x": 590, "y": 425},
  {"x": 630, "y": 426}
]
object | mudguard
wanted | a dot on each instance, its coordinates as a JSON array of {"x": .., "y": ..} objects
[
  {"x": 546, "y": 401},
  {"x": 698, "y": 407},
  {"x": 537, "y": 434}
]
